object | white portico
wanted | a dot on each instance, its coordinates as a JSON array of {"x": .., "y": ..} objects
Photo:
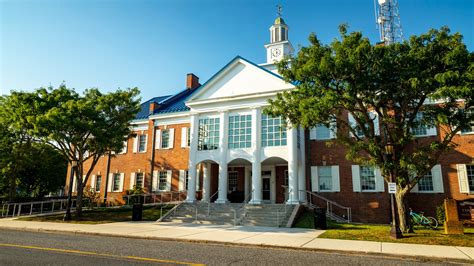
[{"x": 255, "y": 154}]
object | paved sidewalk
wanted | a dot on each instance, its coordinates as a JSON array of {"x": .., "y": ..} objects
[{"x": 264, "y": 236}]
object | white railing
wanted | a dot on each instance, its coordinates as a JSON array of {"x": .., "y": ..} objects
[
  {"x": 334, "y": 210},
  {"x": 35, "y": 207}
]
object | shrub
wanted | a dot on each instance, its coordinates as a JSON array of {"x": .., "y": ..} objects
[{"x": 441, "y": 214}]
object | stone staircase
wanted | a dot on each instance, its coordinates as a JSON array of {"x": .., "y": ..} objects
[{"x": 272, "y": 215}]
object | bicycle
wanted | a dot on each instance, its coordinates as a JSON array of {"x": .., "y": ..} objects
[{"x": 421, "y": 219}]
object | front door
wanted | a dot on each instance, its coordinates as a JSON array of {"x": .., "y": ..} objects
[{"x": 266, "y": 188}]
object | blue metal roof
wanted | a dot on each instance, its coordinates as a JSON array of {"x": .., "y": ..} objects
[
  {"x": 145, "y": 107},
  {"x": 176, "y": 103}
]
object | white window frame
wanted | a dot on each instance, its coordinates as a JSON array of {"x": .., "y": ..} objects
[
  {"x": 238, "y": 139},
  {"x": 430, "y": 131},
  {"x": 437, "y": 179},
  {"x": 463, "y": 178},
  {"x": 165, "y": 144},
  {"x": 113, "y": 182},
  {"x": 352, "y": 123},
  {"x": 139, "y": 137},
  {"x": 313, "y": 133},
  {"x": 335, "y": 180},
  {"x": 356, "y": 180},
  {"x": 207, "y": 137},
  {"x": 472, "y": 126},
  {"x": 136, "y": 180},
  {"x": 97, "y": 187}
]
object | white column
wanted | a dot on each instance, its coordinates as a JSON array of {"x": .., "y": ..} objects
[
  {"x": 302, "y": 168},
  {"x": 247, "y": 182},
  {"x": 206, "y": 188},
  {"x": 223, "y": 138},
  {"x": 256, "y": 164},
  {"x": 292, "y": 165},
  {"x": 273, "y": 188},
  {"x": 191, "y": 197}
]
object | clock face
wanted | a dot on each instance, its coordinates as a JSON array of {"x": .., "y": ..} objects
[{"x": 276, "y": 52}]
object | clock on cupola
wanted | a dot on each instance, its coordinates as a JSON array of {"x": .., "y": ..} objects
[{"x": 279, "y": 45}]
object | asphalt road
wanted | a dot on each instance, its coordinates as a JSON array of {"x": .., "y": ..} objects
[{"x": 39, "y": 248}]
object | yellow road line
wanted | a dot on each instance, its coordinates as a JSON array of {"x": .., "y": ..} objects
[{"x": 99, "y": 254}]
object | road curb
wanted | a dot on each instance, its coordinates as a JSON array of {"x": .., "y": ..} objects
[{"x": 247, "y": 245}]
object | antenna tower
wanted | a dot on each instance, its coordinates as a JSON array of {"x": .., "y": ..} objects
[{"x": 387, "y": 20}]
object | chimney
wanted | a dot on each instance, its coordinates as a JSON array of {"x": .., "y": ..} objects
[
  {"x": 153, "y": 107},
  {"x": 192, "y": 81}
]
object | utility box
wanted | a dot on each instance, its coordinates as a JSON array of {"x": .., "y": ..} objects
[
  {"x": 137, "y": 212},
  {"x": 320, "y": 218}
]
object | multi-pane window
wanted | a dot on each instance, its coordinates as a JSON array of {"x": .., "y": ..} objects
[
  {"x": 426, "y": 183},
  {"x": 98, "y": 183},
  {"x": 233, "y": 175},
  {"x": 367, "y": 178},
  {"x": 240, "y": 131},
  {"x": 165, "y": 139},
  {"x": 325, "y": 178},
  {"x": 273, "y": 131},
  {"x": 162, "y": 180},
  {"x": 420, "y": 130},
  {"x": 139, "y": 180},
  {"x": 323, "y": 132},
  {"x": 470, "y": 128},
  {"x": 188, "y": 137},
  {"x": 208, "y": 134},
  {"x": 186, "y": 179},
  {"x": 116, "y": 182},
  {"x": 470, "y": 176},
  {"x": 142, "y": 143}
]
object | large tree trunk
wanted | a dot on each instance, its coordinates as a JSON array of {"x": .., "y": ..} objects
[
  {"x": 401, "y": 210},
  {"x": 12, "y": 192},
  {"x": 80, "y": 192}
]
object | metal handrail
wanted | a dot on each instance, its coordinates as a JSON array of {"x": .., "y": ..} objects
[
  {"x": 209, "y": 203},
  {"x": 17, "y": 207},
  {"x": 244, "y": 203},
  {"x": 329, "y": 206},
  {"x": 155, "y": 196}
]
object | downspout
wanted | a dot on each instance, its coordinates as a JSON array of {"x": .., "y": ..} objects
[
  {"x": 107, "y": 178},
  {"x": 152, "y": 159}
]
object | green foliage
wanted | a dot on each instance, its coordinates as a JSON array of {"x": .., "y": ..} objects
[
  {"x": 27, "y": 168},
  {"x": 396, "y": 82},
  {"x": 441, "y": 214},
  {"x": 92, "y": 196},
  {"x": 80, "y": 127}
]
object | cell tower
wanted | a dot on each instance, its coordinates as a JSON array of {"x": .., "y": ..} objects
[{"x": 387, "y": 19}]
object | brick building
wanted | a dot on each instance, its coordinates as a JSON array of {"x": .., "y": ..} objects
[{"x": 213, "y": 142}]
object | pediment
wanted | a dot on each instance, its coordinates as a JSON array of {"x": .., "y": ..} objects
[{"x": 240, "y": 77}]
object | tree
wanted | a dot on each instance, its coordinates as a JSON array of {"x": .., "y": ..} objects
[
  {"x": 27, "y": 168},
  {"x": 83, "y": 127},
  {"x": 425, "y": 81}
]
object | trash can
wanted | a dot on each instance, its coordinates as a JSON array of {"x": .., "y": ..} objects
[
  {"x": 137, "y": 211},
  {"x": 320, "y": 218}
]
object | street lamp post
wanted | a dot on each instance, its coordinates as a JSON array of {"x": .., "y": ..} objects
[{"x": 395, "y": 232}]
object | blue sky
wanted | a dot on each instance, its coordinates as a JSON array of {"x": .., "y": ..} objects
[{"x": 153, "y": 44}]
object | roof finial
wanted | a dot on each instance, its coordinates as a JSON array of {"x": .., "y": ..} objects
[{"x": 279, "y": 9}]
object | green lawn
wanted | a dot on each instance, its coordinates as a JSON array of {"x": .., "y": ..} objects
[
  {"x": 100, "y": 216},
  {"x": 371, "y": 232}
]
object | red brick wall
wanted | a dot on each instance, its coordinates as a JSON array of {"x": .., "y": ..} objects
[
  {"x": 174, "y": 159},
  {"x": 375, "y": 207}
]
